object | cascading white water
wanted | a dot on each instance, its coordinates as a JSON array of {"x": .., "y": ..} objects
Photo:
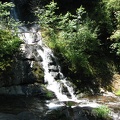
[
  {"x": 53, "y": 85},
  {"x": 30, "y": 36}
]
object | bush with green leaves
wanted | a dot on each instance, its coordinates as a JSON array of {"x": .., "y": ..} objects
[
  {"x": 117, "y": 93},
  {"x": 115, "y": 37},
  {"x": 72, "y": 35},
  {"x": 113, "y": 6},
  {"x": 102, "y": 112},
  {"x": 9, "y": 42},
  {"x": 5, "y": 14}
]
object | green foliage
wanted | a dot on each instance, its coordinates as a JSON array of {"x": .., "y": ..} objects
[
  {"x": 47, "y": 17},
  {"x": 81, "y": 41},
  {"x": 49, "y": 94},
  {"x": 5, "y": 19},
  {"x": 71, "y": 35},
  {"x": 101, "y": 112},
  {"x": 5, "y": 10},
  {"x": 103, "y": 19},
  {"x": 70, "y": 103},
  {"x": 115, "y": 37},
  {"x": 113, "y": 9},
  {"x": 113, "y": 6},
  {"x": 9, "y": 44},
  {"x": 118, "y": 93}
]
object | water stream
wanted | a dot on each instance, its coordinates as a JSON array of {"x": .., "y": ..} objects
[{"x": 55, "y": 80}]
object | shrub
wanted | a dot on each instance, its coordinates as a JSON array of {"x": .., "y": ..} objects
[
  {"x": 71, "y": 35},
  {"x": 102, "y": 112},
  {"x": 113, "y": 6},
  {"x": 118, "y": 93},
  {"x": 9, "y": 42},
  {"x": 5, "y": 20}
]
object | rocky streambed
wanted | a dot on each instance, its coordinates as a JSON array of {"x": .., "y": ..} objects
[{"x": 35, "y": 108}]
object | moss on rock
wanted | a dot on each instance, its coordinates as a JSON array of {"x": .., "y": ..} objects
[{"x": 38, "y": 72}]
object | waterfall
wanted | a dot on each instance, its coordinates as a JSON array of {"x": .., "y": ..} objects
[
  {"x": 54, "y": 85},
  {"x": 55, "y": 80}
]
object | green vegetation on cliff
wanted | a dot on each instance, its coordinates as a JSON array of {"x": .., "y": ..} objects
[
  {"x": 9, "y": 42},
  {"x": 86, "y": 41}
]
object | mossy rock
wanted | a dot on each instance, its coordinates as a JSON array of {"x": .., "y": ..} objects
[
  {"x": 47, "y": 93},
  {"x": 38, "y": 72}
]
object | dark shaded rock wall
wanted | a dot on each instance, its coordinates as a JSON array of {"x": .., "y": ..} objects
[{"x": 24, "y": 77}]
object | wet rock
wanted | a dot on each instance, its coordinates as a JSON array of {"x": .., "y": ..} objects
[
  {"x": 17, "y": 104},
  {"x": 22, "y": 73},
  {"x": 4, "y": 116},
  {"x": 53, "y": 68},
  {"x": 39, "y": 47},
  {"x": 24, "y": 70},
  {"x": 30, "y": 89},
  {"x": 38, "y": 72},
  {"x": 66, "y": 113},
  {"x": 28, "y": 116},
  {"x": 52, "y": 60},
  {"x": 21, "y": 116},
  {"x": 39, "y": 58},
  {"x": 65, "y": 90},
  {"x": 55, "y": 75},
  {"x": 27, "y": 51},
  {"x": 70, "y": 103}
]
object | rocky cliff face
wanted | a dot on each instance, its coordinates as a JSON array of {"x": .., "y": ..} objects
[{"x": 25, "y": 75}]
